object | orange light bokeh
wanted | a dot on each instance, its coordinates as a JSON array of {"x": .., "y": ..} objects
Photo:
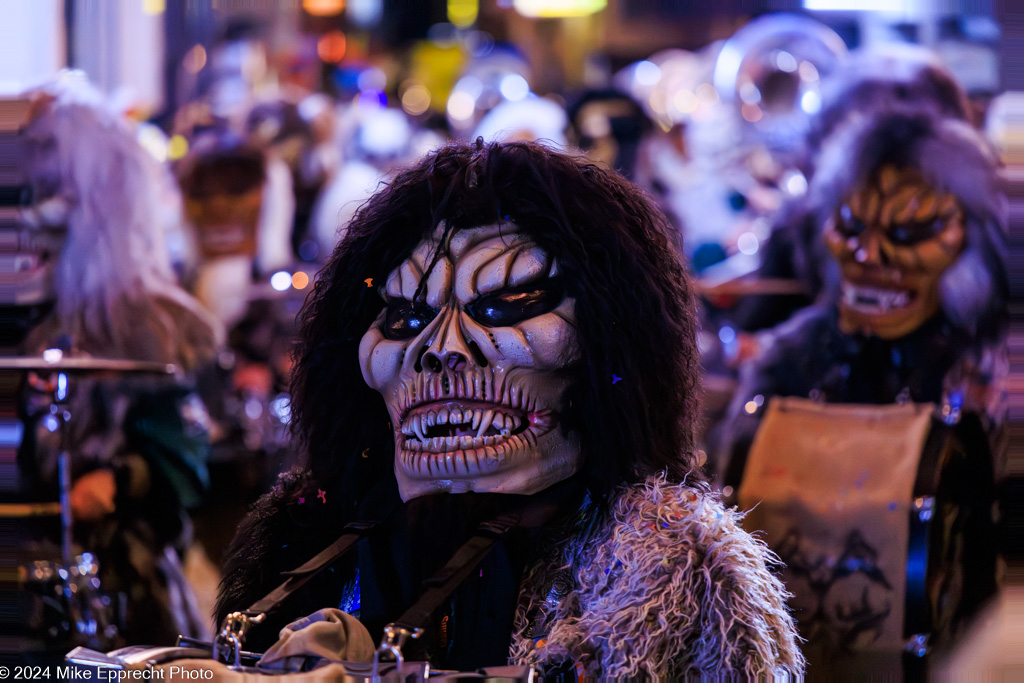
[
  {"x": 331, "y": 47},
  {"x": 323, "y": 8}
]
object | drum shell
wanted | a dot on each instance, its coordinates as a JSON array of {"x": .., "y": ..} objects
[{"x": 883, "y": 518}]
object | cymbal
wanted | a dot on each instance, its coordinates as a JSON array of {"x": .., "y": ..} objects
[
  {"x": 86, "y": 364},
  {"x": 29, "y": 509}
]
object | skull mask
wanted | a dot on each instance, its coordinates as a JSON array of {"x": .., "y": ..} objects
[
  {"x": 893, "y": 238},
  {"x": 471, "y": 356},
  {"x": 35, "y": 243}
]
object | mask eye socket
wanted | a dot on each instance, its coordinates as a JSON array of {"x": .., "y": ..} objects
[
  {"x": 513, "y": 305},
  {"x": 914, "y": 233},
  {"x": 406, "y": 319}
]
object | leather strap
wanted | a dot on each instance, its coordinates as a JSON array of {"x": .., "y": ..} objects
[
  {"x": 297, "y": 578},
  {"x": 443, "y": 583}
]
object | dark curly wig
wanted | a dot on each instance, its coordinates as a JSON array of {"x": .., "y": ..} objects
[{"x": 635, "y": 312}]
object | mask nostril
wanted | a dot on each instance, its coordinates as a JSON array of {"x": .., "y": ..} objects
[
  {"x": 456, "y": 361},
  {"x": 478, "y": 355},
  {"x": 418, "y": 366},
  {"x": 433, "y": 363}
]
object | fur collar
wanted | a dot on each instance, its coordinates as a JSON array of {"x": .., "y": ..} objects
[{"x": 670, "y": 586}]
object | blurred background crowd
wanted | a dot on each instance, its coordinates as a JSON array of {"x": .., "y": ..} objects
[{"x": 260, "y": 127}]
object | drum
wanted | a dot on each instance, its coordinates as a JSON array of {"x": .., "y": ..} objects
[
  {"x": 65, "y": 605},
  {"x": 61, "y": 600},
  {"x": 189, "y": 663},
  {"x": 882, "y": 516}
]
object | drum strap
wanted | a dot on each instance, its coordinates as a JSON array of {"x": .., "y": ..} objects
[
  {"x": 446, "y": 580},
  {"x": 443, "y": 583},
  {"x": 227, "y": 644},
  {"x": 297, "y": 578}
]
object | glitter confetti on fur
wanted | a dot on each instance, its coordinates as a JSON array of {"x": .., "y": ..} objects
[{"x": 691, "y": 596}]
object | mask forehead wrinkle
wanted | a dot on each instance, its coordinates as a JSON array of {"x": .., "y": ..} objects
[
  {"x": 530, "y": 264},
  {"x": 486, "y": 271},
  {"x": 406, "y": 269},
  {"x": 898, "y": 203},
  {"x": 404, "y": 280},
  {"x": 488, "y": 266},
  {"x": 467, "y": 239},
  {"x": 903, "y": 193},
  {"x": 865, "y": 205},
  {"x": 439, "y": 284}
]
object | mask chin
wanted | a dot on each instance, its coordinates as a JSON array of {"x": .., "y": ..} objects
[
  {"x": 885, "y": 312},
  {"x": 32, "y": 270},
  {"x": 34, "y": 289}
]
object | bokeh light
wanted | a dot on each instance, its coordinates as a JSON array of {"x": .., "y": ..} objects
[
  {"x": 323, "y": 8},
  {"x": 461, "y": 106},
  {"x": 415, "y": 99},
  {"x": 195, "y": 59},
  {"x": 751, "y": 113},
  {"x": 177, "y": 147},
  {"x": 281, "y": 280},
  {"x": 331, "y": 47}
]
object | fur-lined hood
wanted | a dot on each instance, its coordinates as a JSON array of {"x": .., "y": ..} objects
[{"x": 670, "y": 587}]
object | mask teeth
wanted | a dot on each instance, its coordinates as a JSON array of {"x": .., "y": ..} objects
[
  {"x": 442, "y": 416},
  {"x": 485, "y": 422},
  {"x": 450, "y": 444},
  {"x": 506, "y": 432},
  {"x": 417, "y": 426},
  {"x": 474, "y": 419}
]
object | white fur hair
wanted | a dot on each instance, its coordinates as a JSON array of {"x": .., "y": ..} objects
[
  {"x": 117, "y": 294},
  {"x": 953, "y": 157},
  {"x": 669, "y": 588},
  {"x": 879, "y": 77}
]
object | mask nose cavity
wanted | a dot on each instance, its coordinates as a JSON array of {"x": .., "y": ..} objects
[
  {"x": 447, "y": 352},
  {"x": 435, "y": 361},
  {"x": 870, "y": 250}
]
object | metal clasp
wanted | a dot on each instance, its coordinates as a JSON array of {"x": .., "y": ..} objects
[
  {"x": 952, "y": 407},
  {"x": 227, "y": 645},
  {"x": 393, "y": 641}
]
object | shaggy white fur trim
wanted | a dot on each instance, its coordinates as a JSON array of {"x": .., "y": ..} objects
[{"x": 671, "y": 587}]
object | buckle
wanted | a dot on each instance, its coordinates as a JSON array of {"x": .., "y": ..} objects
[
  {"x": 394, "y": 640},
  {"x": 227, "y": 645}
]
